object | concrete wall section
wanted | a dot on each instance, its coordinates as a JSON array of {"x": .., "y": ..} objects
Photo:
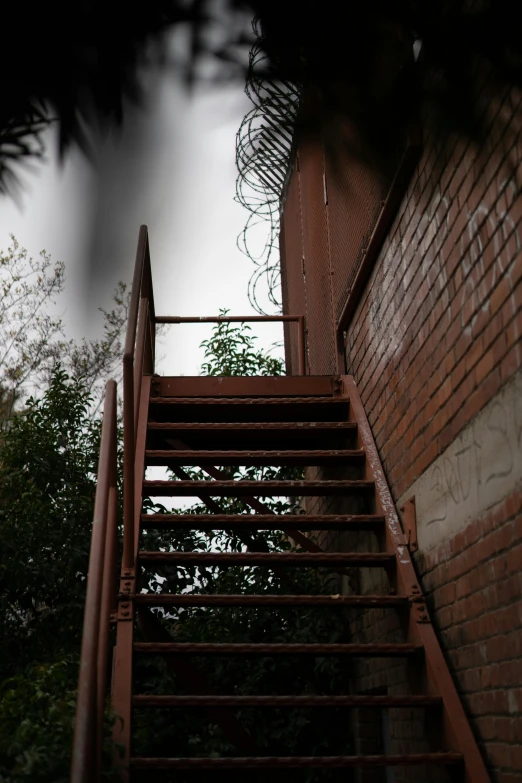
[{"x": 479, "y": 469}]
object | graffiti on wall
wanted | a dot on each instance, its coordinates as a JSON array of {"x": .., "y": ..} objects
[
  {"x": 490, "y": 233},
  {"x": 481, "y": 467}
]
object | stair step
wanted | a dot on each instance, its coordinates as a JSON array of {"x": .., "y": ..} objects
[
  {"x": 367, "y": 601},
  {"x": 223, "y": 409},
  {"x": 268, "y": 558},
  {"x": 258, "y": 488},
  {"x": 248, "y": 401},
  {"x": 263, "y": 521},
  {"x": 275, "y": 458},
  {"x": 384, "y": 650},
  {"x": 247, "y": 427},
  {"x": 414, "y": 759},
  {"x": 351, "y": 701},
  {"x": 267, "y": 386}
]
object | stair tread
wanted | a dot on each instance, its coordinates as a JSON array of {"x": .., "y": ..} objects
[
  {"x": 441, "y": 757},
  {"x": 232, "y": 599},
  {"x": 383, "y": 649},
  {"x": 304, "y": 426},
  {"x": 262, "y": 558},
  {"x": 245, "y": 387},
  {"x": 263, "y": 521},
  {"x": 249, "y": 401},
  {"x": 286, "y": 701},
  {"x": 253, "y": 457},
  {"x": 265, "y": 488}
]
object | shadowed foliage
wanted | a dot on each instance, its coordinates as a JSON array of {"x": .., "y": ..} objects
[{"x": 79, "y": 63}]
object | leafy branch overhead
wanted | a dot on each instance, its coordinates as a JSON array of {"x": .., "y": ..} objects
[{"x": 351, "y": 58}]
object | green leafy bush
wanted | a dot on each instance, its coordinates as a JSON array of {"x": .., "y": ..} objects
[{"x": 48, "y": 464}]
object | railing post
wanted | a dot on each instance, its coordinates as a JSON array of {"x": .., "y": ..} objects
[
  {"x": 108, "y": 603},
  {"x": 301, "y": 353},
  {"x": 128, "y": 465},
  {"x": 151, "y": 349},
  {"x": 86, "y": 737},
  {"x": 141, "y": 354},
  {"x": 129, "y": 432}
]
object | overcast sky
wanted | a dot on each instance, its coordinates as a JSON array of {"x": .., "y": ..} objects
[{"x": 172, "y": 168}]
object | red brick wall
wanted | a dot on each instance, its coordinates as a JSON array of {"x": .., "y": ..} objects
[
  {"x": 474, "y": 584},
  {"x": 436, "y": 335},
  {"x": 438, "y": 330}
]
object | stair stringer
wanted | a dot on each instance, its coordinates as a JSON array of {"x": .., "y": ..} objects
[{"x": 456, "y": 730}]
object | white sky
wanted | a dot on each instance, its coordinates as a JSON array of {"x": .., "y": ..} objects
[{"x": 173, "y": 168}]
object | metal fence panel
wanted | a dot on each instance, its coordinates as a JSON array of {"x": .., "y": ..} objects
[
  {"x": 293, "y": 283},
  {"x": 355, "y": 196},
  {"x": 320, "y": 323}
]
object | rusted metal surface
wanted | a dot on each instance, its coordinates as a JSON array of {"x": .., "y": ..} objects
[
  {"x": 249, "y": 426},
  {"x": 456, "y": 728},
  {"x": 139, "y": 458},
  {"x": 297, "y": 762},
  {"x": 319, "y": 312},
  {"x": 381, "y": 226},
  {"x": 284, "y": 386},
  {"x": 384, "y": 650},
  {"x": 121, "y": 693},
  {"x": 394, "y": 702},
  {"x": 249, "y": 401},
  {"x": 267, "y": 558},
  {"x": 264, "y": 521},
  {"x": 99, "y": 598},
  {"x": 294, "y": 299},
  {"x": 109, "y": 604},
  {"x": 333, "y": 601},
  {"x": 261, "y": 488},
  {"x": 244, "y": 442},
  {"x": 254, "y": 503},
  {"x": 272, "y": 458},
  {"x": 138, "y": 358},
  {"x": 222, "y": 319},
  {"x": 138, "y": 361},
  {"x": 409, "y": 523},
  {"x": 345, "y": 212},
  {"x": 355, "y": 197},
  {"x": 193, "y": 679}
]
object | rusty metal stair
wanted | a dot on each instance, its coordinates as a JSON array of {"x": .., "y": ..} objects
[
  {"x": 351, "y": 447},
  {"x": 311, "y": 422}
]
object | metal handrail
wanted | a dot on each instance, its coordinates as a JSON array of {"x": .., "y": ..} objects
[
  {"x": 101, "y": 599},
  {"x": 102, "y": 581},
  {"x": 218, "y": 319},
  {"x": 138, "y": 359}
]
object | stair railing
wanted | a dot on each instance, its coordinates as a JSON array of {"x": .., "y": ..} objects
[
  {"x": 138, "y": 360},
  {"x": 222, "y": 319},
  {"x": 101, "y": 600}
]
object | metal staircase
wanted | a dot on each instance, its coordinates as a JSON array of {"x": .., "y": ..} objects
[{"x": 316, "y": 423}]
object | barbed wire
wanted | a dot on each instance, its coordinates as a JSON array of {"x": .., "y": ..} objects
[{"x": 264, "y": 144}]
